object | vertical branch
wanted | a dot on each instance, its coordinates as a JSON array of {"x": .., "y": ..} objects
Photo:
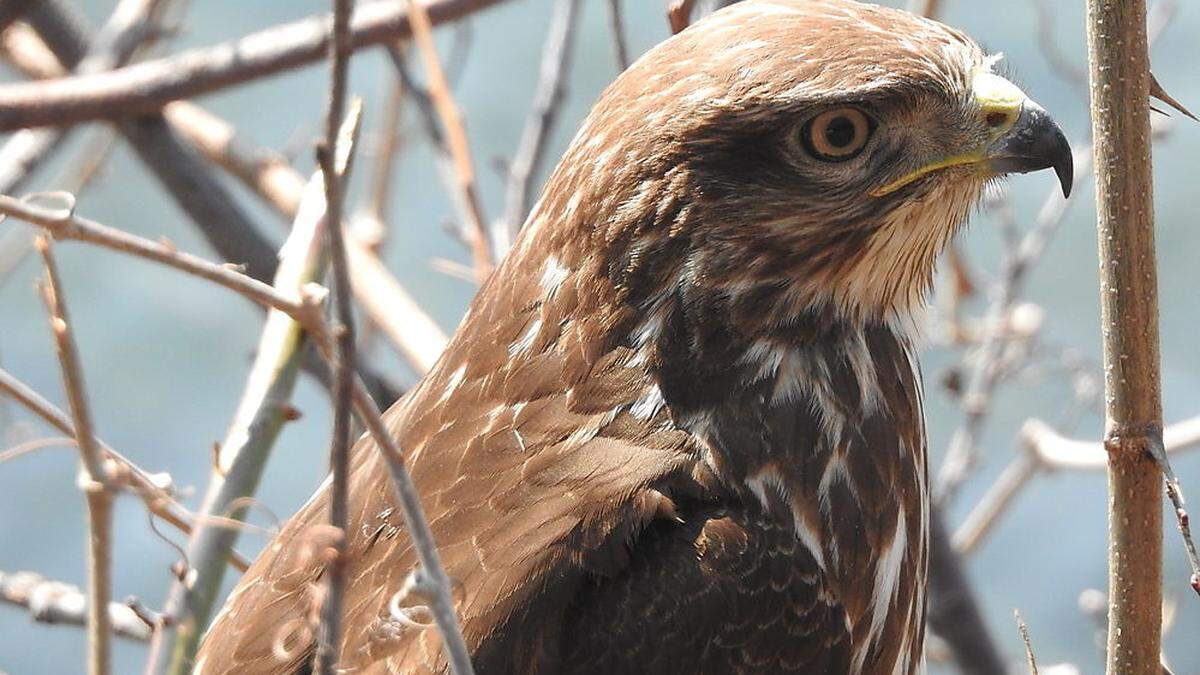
[
  {"x": 243, "y": 454},
  {"x": 1120, "y": 90},
  {"x": 329, "y": 632},
  {"x": 531, "y": 153},
  {"x": 483, "y": 256},
  {"x": 616, "y": 26},
  {"x": 94, "y": 478}
]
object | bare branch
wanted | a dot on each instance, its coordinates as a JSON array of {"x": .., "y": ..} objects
[
  {"x": 56, "y": 602},
  {"x": 679, "y": 14},
  {"x": 147, "y": 87},
  {"x": 1024, "y": 629},
  {"x": 94, "y": 481},
  {"x": 243, "y": 454},
  {"x": 616, "y": 26},
  {"x": 531, "y": 153},
  {"x": 329, "y": 631},
  {"x": 1120, "y": 87},
  {"x": 409, "y": 328},
  {"x": 456, "y": 140},
  {"x": 307, "y": 311},
  {"x": 153, "y": 489}
]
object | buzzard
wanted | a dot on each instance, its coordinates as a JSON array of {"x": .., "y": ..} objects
[{"x": 679, "y": 429}]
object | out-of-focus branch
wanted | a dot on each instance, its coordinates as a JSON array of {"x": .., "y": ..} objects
[
  {"x": 131, "y": 22},
  {"x": 1119, "y": 73},
  {"x": 616, "y": 26},
  {"x": 547, "y": 99},
  {"x": 95, "y": 480},
  {"x": 51, "y": 601},
  {"x": 243, "y": 454},
  {"x": 962, "y": 454},
  {"x": 984, "y": 375},
  {"x": 146, "y": 87},
  {"x": 925, "y": 7},
  {"x": 679, "y": 14},
  {"x": 482, "y": 252},
  {"x": 11, "y": 10},
  {"x": 1047, "y": 450},
  {"x": 953, "y": 613},
  {"x": 329, "y": 631}
]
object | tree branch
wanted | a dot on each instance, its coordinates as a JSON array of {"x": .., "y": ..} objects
[
  {"x": 95, "y": 480},
  {"x": 531, "y": 152},
  {"x": 243, "y": 454},
  {"x": 147, "y": 87},
  {"x": 1120, "y": 94},
  {"x": 329, "y": 632},
  {"x": 56, "y": 602},
  {"x": 482, "y": 252}
]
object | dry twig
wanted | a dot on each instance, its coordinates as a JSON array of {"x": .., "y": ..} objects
[
  {"x": 482, "y": 252},
  {"x": 1024, "y": 629},
  {"x": 329, "y": 632},
  {"x": 531, "y": 153},
  {"x": 1120, "y": 91},
  {"x": 51, "y": 601},
  {"x": 147, "y": 87},
  {"x": 95, "y": 480},
  {"x": 243, "y": 454}
]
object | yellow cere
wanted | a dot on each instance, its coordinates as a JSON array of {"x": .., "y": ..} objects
[{"x": 1000, "y": 103}]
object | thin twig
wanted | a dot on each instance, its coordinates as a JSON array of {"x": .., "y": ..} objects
[
  {"x": 329, "y": 632},
  {"x": 409, "y": 328},
  {"x": 55, "y": 602},
  {"x": 131, "y": 27},
  {"x": 147, "y": 87},
  {"x": 456, "y": 139},
  {"x": 1024, "y": 629},
  {"x": 307, "y": 311},
  {"x": 547, "y": 100},
  {"x": 94, "y": 480},
  {"x": 153, "y": 489},
  {"x": 616, "y": 27},
  {"x": 243, "y": 454},
  {"x": 192, "y": 183}
]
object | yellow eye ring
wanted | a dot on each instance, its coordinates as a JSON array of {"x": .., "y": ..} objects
[{"x": 837, "y": 135}]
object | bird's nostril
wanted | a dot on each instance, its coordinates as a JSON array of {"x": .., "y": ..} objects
[{"x": 996, "y": 119}]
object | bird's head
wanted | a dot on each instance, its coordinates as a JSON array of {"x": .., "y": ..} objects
[{"x": 799, "y": 154}]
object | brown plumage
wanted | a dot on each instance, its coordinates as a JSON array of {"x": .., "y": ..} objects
[{"x": 679, "y": 429}]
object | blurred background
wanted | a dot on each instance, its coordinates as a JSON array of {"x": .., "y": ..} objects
[{"x": 166, "y": 355}]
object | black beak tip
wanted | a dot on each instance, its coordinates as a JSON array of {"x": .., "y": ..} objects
[
  {"x": 1064, "y": 161},
  {"x": 1065, "y": 170}
]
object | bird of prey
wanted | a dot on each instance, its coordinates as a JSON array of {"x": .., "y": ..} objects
[{"x": 679, "y": 429}]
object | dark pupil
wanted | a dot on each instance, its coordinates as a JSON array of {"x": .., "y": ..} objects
[{"x": 840, "y": 132}]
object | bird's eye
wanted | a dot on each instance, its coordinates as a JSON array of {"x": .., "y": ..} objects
[{"x": 837, "y": 135}]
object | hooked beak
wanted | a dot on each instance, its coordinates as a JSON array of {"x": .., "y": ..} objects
[
  {"x": 1034, "y": 142},
  {"x": 1021, "y": 138}
]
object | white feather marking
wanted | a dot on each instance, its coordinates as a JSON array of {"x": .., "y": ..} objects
[
  {"x": 888, "y": 571},
  {"x": 648, "y": 405},
  {"x": 863, "y": 366},
  {"x": 525, "y": 342},
  {"x": 553, "y": 275}
]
